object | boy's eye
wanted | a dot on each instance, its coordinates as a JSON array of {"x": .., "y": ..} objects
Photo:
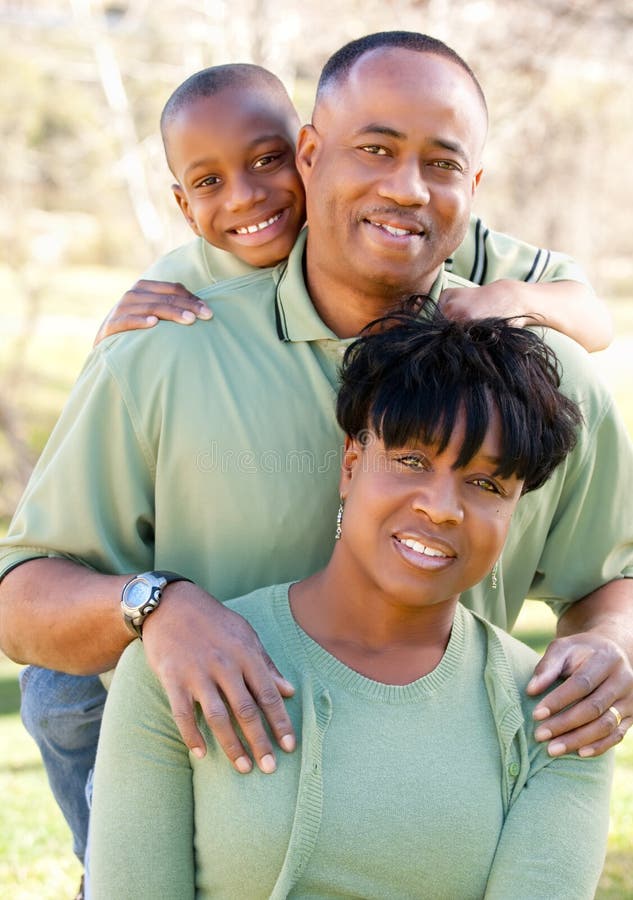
[
  {"x": 209, "y": 181},
  {"x": 266, "y": 160}
]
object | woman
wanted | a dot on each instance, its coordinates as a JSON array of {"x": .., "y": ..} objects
[{"x": 416, "y": 773}]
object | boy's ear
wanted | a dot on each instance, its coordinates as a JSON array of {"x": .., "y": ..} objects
[
  {"x": 351, "y": 458},
  {"x": 183, "y": 203},
  {"x": 476, "y": 180},
  {"x": 308, "y": 144}
]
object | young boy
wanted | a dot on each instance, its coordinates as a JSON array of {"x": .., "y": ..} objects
[{"x": 229, "y": 134}]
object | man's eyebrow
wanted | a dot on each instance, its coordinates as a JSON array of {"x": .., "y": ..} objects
[{"x": 388, "y": 131}]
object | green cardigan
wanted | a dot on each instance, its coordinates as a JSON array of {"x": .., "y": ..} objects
[{"x": 433, "y": 789}]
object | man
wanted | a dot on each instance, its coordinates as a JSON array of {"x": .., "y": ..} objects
[{"x": 213, "y": 451}]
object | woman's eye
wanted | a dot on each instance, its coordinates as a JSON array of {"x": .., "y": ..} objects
[
  {"x": 486, "y": 484},
  {"x": 413, "y": 462}
]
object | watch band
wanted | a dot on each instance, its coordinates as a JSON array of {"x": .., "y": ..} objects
[{"x": 157, "y": 581}]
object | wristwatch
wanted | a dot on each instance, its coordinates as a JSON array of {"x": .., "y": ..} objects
[{"x": 142, "y": 594}]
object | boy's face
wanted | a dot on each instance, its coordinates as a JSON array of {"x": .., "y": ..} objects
[{"x": 233, "y": 156}]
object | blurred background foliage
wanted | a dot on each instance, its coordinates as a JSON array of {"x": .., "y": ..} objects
[{"x": 86, "y": 200}]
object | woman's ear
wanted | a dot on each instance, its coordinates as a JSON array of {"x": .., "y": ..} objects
[{"x": 351, "y": 457}]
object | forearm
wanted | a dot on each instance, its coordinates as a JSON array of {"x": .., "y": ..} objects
[
  {"x": 61, "y": 615},
  {"x": 569, "y": 307},
  {"x": 608, "y": 611}
]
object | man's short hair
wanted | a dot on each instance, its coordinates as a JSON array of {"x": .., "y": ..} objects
[
  {"x": 339, "y": 65},
  {"x": 408, "y": 377}
]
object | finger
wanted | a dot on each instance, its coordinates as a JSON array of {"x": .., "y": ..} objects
[
  {"x": 597, "y": 748},
  {"x": 151, "y": 292},
  {"x": 214, "y": 710},
  {"x": 182, "y": 710},
  {"x": 560, "y": 660},
  {"x": 588, "y": 710},
  {"x": 604, "y": 732},
  {"x": 129, "y": 322},
  {"x": 162, "y": 308},
  {"x": 246, "y": 711}
]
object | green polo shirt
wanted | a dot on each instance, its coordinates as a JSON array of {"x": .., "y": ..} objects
[
  {"x": 213, "y": 451},
  {"x": 484, "y": 256}
]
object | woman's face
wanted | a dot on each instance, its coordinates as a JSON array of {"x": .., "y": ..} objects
[{"x": 415, "y": 527}]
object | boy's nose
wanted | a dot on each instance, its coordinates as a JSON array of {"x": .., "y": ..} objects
[{"x": 244, "y": 194}]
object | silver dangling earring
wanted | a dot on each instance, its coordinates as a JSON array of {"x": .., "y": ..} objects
[
  {"x": 493, "y": 576},
  {"x": 339, "y": 520}
]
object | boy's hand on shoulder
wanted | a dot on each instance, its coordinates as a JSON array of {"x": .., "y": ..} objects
[
  {"x": 502, "y": 298},
  {"x": 147, "y": 302},
  {"x": 207, "y": 654}
]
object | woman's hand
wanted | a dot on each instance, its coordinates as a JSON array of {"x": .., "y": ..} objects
[
  {"x": 147, "y": 302},
  {"x": 204, "y": 653}
]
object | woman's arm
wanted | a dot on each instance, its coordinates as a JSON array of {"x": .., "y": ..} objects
[
  {"x": 141, "y": 823},
  {"x": 553, "y": 841}
]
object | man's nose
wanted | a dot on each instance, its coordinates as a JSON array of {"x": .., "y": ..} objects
[{"x": 405, "y": 184}]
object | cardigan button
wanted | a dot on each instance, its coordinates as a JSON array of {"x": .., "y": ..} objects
[{"x": 514, "y": 769}]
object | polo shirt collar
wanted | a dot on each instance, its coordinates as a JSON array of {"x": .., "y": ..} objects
[{"x": 296, "y": 316}]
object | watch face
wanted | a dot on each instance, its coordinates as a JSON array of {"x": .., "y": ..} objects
[{"x": 137, "y": 594}]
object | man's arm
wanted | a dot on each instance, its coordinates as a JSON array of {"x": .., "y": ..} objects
[
  {"x": 61, "y": 615},
  {"x": 593, "y": 652},
  {"x": 566, "y": 306}
]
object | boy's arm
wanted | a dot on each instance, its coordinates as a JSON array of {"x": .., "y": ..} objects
[
  {"x": 148, "y": 301},
  {"x": 566, "y": 306},
  {"x": 514, "y": 278}
]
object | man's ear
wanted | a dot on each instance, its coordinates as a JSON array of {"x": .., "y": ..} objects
[
  {"x": 307, "y": 147},
  {"x": 351, "y": 458},
  {"x": 183, "y": 203},
  {"x": 476, "y": 180}
]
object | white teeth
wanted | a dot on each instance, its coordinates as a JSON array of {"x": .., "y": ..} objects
[
  {"x": 398, "y": 232},
  {"x": 420, "y": 548},
  {"x": 251, "y": 229}
]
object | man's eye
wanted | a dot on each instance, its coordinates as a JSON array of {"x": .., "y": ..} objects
[
  {"x": 374, "y": 149},
  {"x": 446, "y": 165}
]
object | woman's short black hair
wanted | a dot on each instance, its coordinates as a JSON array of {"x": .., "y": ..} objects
[{"x": 411, "y": 373}]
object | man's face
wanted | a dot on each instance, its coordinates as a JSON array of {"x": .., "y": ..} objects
[
  {"x": 390, "y": 166},
  {"x": 238, "y": 187}
]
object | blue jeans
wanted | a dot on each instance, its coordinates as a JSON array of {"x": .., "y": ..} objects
[{"x": 62, "y": 713}]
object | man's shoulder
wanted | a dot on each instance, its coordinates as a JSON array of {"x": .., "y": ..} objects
[{"x": 197, "y": 264}]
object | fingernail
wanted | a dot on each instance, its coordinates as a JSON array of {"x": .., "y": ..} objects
[
  {"x": 542, "y": 734},
  {"x": 287, "y": 742},
  {"x": 151, "y": 320},
  {"x": 556, "y": 748},
  {"x": 204, "y": 313},
  {"x": 540, "y": 713},
  {"x": 586, "y": 751},
  {"x": 198, "y": 752},
  {"x": 188, "y": 316},
  {"x": 267, "y": 764},
  {"x": 243, "y": 764}
]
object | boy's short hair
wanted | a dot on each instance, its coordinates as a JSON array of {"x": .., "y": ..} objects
[
  {"x": 213, "y": 80},
  {"x": 409, "y": 376}
]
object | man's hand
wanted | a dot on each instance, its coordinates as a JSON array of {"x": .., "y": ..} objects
[
  {"x": 580, "y": 714},
  {"x": 147, "y": 302},
  {"x": 204, "y": 653}
]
